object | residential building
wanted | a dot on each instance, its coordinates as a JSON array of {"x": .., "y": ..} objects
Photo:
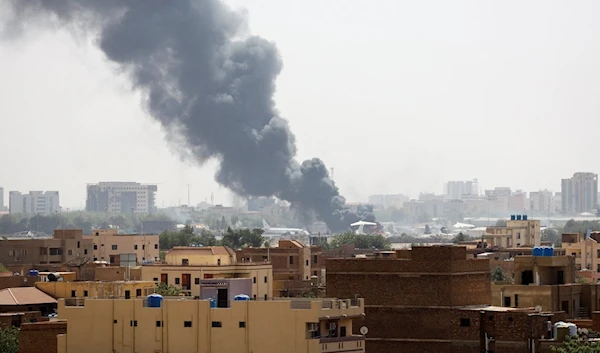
[
  {"x": 34, "y": 203},
  {"x": 544, "y": 281},
  {"x": 121, "y": 197},
  {"x": 292, "y": 266},
  {"x": 432, "y": 299},
  {"x": 518, "y": 232},
  {"x": 498, "y": 191},
  {"x": 458, "y": 190},
  {"x": 580, "y": 193},
  {"x": 41, "y": 336},
  {"x": 186, "y": 267},
  {"x": 65, "y": 245},
  {"x": 388, "y": 200},
  {"x": 557, "y": 202},
  {"x": 585, "y": 251},
  {"x": 541, "y": 201},
  {"x": 109, "y": 245},
  {"x": 180, "y": 325},
  {"x": 26, "y": 299},
  {"x": 97, "y": 289}
]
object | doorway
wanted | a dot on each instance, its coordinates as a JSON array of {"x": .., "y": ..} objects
[
  {"x": 222, "y": 298},
  {"x": 164, "y": 278}
]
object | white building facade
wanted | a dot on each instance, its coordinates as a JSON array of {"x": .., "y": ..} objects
[{"x": 34, "y": 203}]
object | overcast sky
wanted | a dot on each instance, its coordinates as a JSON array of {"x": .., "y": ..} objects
[{"x": 396, "y": 96}]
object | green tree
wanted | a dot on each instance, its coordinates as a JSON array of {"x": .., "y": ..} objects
[
  {"x": 361, "y": 241},
  {"x": 501, "y": 223},
  {"x": 9, "y": 340},
  {"x": 498, "y": 275},
  {"x": 167, "y": 290},
  {"x": 234, "y": 219},
  {"x": 575, "y": 345},
  {"x": 460, "y": 237},
  {"x": 253, "y": 238},
  {"x": 427, "y": 229}
]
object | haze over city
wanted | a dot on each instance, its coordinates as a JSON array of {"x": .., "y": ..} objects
[{"x": 397, "y": 97}]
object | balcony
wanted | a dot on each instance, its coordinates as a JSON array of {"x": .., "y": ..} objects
[{"x": 343, "y": 344}]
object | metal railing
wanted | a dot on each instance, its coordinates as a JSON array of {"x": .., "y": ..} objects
[{"x": 74, "y": 302}]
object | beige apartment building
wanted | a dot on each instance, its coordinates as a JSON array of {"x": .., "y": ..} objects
[
  {"x": 586, "y": 252},
  {"x": 108, "y": 245},
  {"x": 21, "y": 253},
  {"x": 187, "y": 267},
  {"x": 290, "y": 326},
  {"x": 97, "y": 289},
  {"x": 517, "y": 233}
]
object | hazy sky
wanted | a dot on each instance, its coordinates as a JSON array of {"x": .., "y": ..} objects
[{"x": 397, "y": 96}]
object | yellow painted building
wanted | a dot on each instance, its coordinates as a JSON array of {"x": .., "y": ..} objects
[
  {"x": 188, "y": 278},
  {"x": 586, "y": 251},
  {"x": 197, "y": 256},
  {"x": 108, "y": 245},
  {"x": 192, "y": 326},
  {"x": 83, "y": 289},
  {"x": 516, "y": 233}
]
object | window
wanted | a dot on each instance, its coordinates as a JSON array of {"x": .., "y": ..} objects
[
  {"x": 291, "y": 260},
  {"x": 43, "y": 251},
  {"x": 196, "y": 280},
  {"x": 55, "y": 251},
  {"x": 133, "y": 323},
  {"x": 138, "y": 292},
  {"x": 159, "y": 323},
  {"x": 114, "y": 321},
  {"x": 95, "y": 247},
  {"x": 95, "y": 259},
  {"x": 135, "y": 247},
  {"x": 342, "y": 331},
  {"x": 143, "y": 247},
  {"x": 73, "y": 294},
  {"x": 11, "y": 253},
  {"x": 306, "y": 262},
  {"x": 315, "y": 273},
  {"x": 85, "y": 251},
  {"x": 85, "y": 293},
  {"x": 114, "y": 247},
  {"x": 70, "y": 252},
  {"x": 155, "y": 279},
  {"x": 312, "y": 330},
  {"x": 465, "y": 322},
  {"x": 598, "y": 254},
  {"x": 78, "y": 245},
  {"x": 176, "y": 280},
  {"x": 507, "y": 302},
  {"x": 315, "y": 259},
  {"x": 254, "y": 297},
  {"x": 127, "y": 294},
  {"x": 266, "y": 297},
  {"x": 265, "y": 279},
  {"x": 155, "y": 246},
  {"x": 253, "y": 279},
  {"x": 216, "y": 324},
  {"x": 185, "y": 262},
  {"x": 516, "y": 300},
  {"x": 518, "y": 235},
  {"x": 242, "y": 324}
]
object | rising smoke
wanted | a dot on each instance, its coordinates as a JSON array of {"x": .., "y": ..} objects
[{"x": 209, "y": 88}]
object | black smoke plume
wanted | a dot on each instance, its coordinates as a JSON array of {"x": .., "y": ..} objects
[{"x": 209, "y": 87}]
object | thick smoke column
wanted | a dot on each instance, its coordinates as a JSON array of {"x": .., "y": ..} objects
[{"x": 212, "y": 91}]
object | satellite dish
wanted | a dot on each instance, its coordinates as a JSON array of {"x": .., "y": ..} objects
[
  {"x": 538, "y": 308},
  {"x": 364, "y": 330}
]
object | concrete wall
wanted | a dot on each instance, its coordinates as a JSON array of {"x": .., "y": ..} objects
[
  {"x": 96, "y": 289},
  {"x": 126, "y": 326}
]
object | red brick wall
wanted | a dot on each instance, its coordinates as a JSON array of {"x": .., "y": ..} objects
[{"x": 41, "y": 337}]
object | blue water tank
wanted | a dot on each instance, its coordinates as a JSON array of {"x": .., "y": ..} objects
[
  {"x": 213, "y": 303},
  {"x": 513, "y": 217},
  {"x": 538, "y": 251},
  {"x": 548, "y": 251},
  {"x": 155, "y": 300},
  {"x": 524, "y": 217},
  {"x": 34, "y": 272},
  {"x": 518, "y": 217},
  {"x": 241, "y": 297}
]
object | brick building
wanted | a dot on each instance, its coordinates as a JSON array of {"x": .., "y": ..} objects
[
  {"x": 432, "y": 299},
  {"x": 41, "y": 336},
  {"x": 295, "y": 266}
]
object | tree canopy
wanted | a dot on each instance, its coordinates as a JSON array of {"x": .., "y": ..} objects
[
  {"x": 167, "y": 290},
  {"x": 361, "y": 241},
  {"x": 9, "y": 339},
  {"x": 575, "y": 345},
  {"x": 235, "y": 239}
]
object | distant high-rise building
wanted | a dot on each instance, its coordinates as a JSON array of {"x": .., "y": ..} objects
[
  {"x": 541, "y": 201},
  {"x": 1, "y": 199},
  {"x": 121, "y": 197},
  {"x": 36, "y": 202},
  {"x": 458, "y": 190},
  {"x": 580, "y": 193},
  {"x": 498, "y": 191},
  {"x": 387, "y": 201}
]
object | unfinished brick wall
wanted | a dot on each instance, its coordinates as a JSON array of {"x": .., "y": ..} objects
[{"x": 41, "y": 337}]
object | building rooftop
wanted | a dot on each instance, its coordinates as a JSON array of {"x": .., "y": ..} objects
[
  {"x": 199, "y": 250},
  {"x": 24, "y": 296}
]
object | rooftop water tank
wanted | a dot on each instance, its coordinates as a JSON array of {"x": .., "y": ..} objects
[
  {"x": 213, "y": 303},
  {"x": 241, "y": 297},
  {"x": 548, "y": 251},
  {"x": 513, "y": 217},
  {"x": 34, "y": 272},
  {"x": 538, "y": 251},
  {"x": 155, "y": 300},
  {"x": 518, "y": 217},
  {"x": 524, "y": 217}
]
